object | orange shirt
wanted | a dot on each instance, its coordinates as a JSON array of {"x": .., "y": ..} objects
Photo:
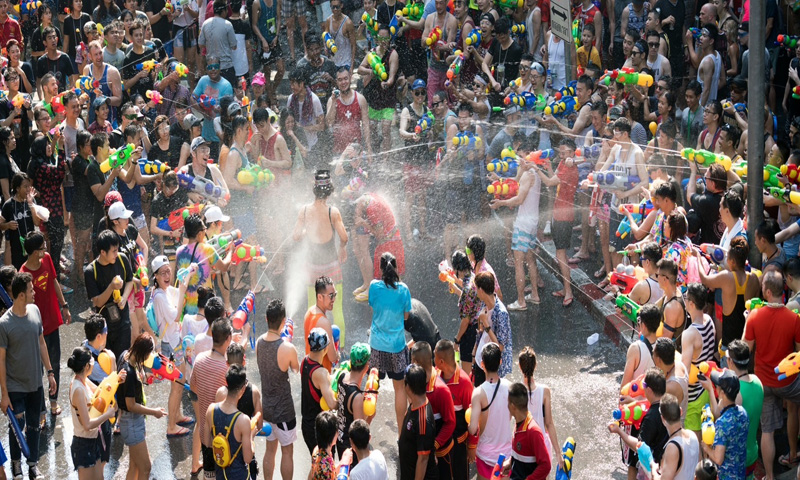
[{"x": 309, "y": 323}]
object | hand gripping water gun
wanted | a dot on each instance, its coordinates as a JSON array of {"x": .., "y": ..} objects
[
  {"x": 202, "y": 186},
  {"x": 704, "y": 158},
  {"x": 103, "y": 396},
  {"x": 791, "y": 172},
  {"x": 565, "y": 106},
  {"x": 344, "y": 472},
  {"x": 754, "y": 303},
  {"x": 785, "y": 194},
  {"x": 424, "y": 123},
  {"x": 629, "y": 308},
  {"x": 155, "y": 96},
  {"x": 377, "y": 66},
  {"x": 467, "y": 139},
  {"x": 625, "y": 277},
  {"x": 591, "y": 152},
  {"x": 715, "y": 253},
  {"x": 223, "y": 241},
  {"x": 789, "y": 366},
  {"x": 245, "y": 311},
  {"x": 474, "y": 37},
  {"x": 707, "y": 427},
  {"x": 243, "y": 252},
  {"x": 27, "y": 8},
  {"x": 174, "y": 221},
  {"x": 502, "y": 168},
  {"x": 772, "y": 176},
  {"x": 152, "y": 167},
  {"x": 524, "y": 100},
  {"x": 634, "y": 388},
  {"x": 632, "y": 413},
  {"x": 433, "y": 37},
  {"x": 141, "y": 272},
  {"x": 394, "y": 26},
  {"x": 540, "y": 157},
  {"x": 498, "y": 467},
  {"x": 327, "y": 39},
  {"x": 739, "y": 107},
  {"x": 371, "y": 392},
  {"x": 87, "y": 84},
  {"x": 624, "y": 228},
  {"x": 704, "y": 368},
  {"x": 455, "y": 68},
  {"x": 19, "y": 100},
  {"x": 696, "y": 32},
  {"x": 182, "y": 69},
  {"x": 447, "y": 275},
  {"x": 162, "y": 368},
  {"x": 146, "y": 66},
  {"x": 370, "y": 22},
  {"x": 788, "y": 41},
  {"x": 205, "y": 102},
  {"x": 255, "y": 175},
  {"x": 608, "y": 180},
  {"x": 567, "y": 453},
  {"x": 643, "y": 209},
  {"x": 23, "y": 444},
  {"x": 633, "y": 78},
  {"x": 335, "y": 376},
  {"x": 287, "y": 334},
  {"x": 118, "y": 158},
  {"x": 503, "y": 189}
]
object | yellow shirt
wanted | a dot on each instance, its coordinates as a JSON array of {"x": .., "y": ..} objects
[{"x": 584, "y": 58}]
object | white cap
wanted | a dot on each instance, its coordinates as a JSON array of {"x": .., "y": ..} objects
[
  {"x": 117, "y": 210},
  {"x": 159, "y": 262},
  {"x": 214, "y": 214}
]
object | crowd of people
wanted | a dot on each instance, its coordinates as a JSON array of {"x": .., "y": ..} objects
[{"x": 150, "y": 157}]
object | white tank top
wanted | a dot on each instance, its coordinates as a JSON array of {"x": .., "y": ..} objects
[
  {"x": 534, "y": 49},
  {"x": 496, "y": 439},
  {"x": 528, "y": 214},
  {"x": 690, "y": 449},
  {"x": 645, "y": 360},
  {"x": 342, "y": 55},
  {"x": 712, "y": 93},
  {"x": 656, "y": 67},
  {"x": 655, "y": 290},
  {"x": 536, "y": 408},
  {"x": 555, "y": 57},
  {"x": 77, "y": 427}
]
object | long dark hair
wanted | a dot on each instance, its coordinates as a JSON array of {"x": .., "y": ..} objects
[
  {"x": 39, "y": 148},
  {"x": 142, "y": 347},
  {"x": 389, "y": 270},
  {"x": 17, "y": 181},
  {"x": 527, "y": 365}
]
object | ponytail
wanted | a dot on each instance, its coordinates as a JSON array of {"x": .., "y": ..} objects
[
  {"x": 389, "y": 270},
  {"x": 527, "y": 365}
]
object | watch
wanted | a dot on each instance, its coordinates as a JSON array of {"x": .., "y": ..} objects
[
  {"x": 456, "y": 341},
  {"x": 66, "y": 305},
  {"x": 51, "y": 372}
]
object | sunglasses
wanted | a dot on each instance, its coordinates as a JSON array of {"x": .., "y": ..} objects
[
  {"x": 653, "y": 45},
  {"x": 332, "y": 295},
  {"x": 131, "y": 116},
  {"x": 212, "y": 66},
  {"x": 419, "y": 93},
  {"x": 435, "y": 104}
]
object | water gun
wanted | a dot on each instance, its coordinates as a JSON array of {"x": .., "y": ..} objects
[
  {"x": 424, "y": 123},
  {"x": 243, "y": 252},
  {"x": 527, "y": 101},
  {"x": 511, "y": 5},
  {"x": 474, "y": 37},
  {"x": 715, "y": 253},
  {"x": 118, "y": 158},
  {"x": 287, "y": 334},
  {"x": 203, "y": 186},
  {"x": 567, "y": 453},
  {"x": 634, "y": 388},
  {"x": 789, "y": 366},
  {"x": 565, "y": 106},
  {"x": 788, "y": 41},
  {"x": 205, "y": 102},
  {"x": 327, "y": 39},
  {"x": 629, "y": 308},
  {"x": 223, "y": 241},
  {"x": 785, "y": 194},
  {"x": 704, "y": 158},
  {"x": 378, "y": 69},
  {"x": 255, "y": 175},
  {"x": 371, "y": 392},
  {"x": 591, "y": 152},
  {"x": 394, "y": 26},
  {"x": 508, "y": 155},
  {"x": 141, "y": 273},
  {"x": 413, "y": 12},
  {"x": 87, "y": 84},
  {"x": 503, "y": 168},
  {"x": 447, "y": 275},
  {"x": 624, "y": 277},
  {"x": 370, "y": 22},
  {"x": 608, "y": 180},
  {"x": 27, "y": 8},
  {"x": 146, "y": 66},
  {"x": 796, "y": 92},
  {"x": 504, "y": 188},
  {"x": 739, "y": 107},
  {"x": 467, "y": 139},
  {"x": 103, "y": 396},
  {"x": 791, "y": 172},
  {"x": 497, "y": 471},
  {"x": 754, "y": 303},
  {"x": 117, "y": 295},
  {"x": 245, "y": 311},
  {"x": 540, "y": 157},
  {"x": 152, "y": 167},
  {"x": 576, "y": 32},
  {"x": 696, "y": 32},
  {"x": 516, "y": 83},
  {"x": 23, "y": 444},
  {"x": 155, "y": 97},
  {"x": 640, "y": 79},
  {"x": 632, "y": 413},
  {"x": 434, "y": 36},
  {"x": 772, "y": 176},
  {"x": 163, "y": 368},
  {"x": 643, "y": 209},
  {"x": 19, "y": 100},
  {"x": 182, "y": 69},
  {"x": 704, "y": 368},
  {"x": 645, "y": 455},
  {"x": 174, "y": 221},
  {"x": 518, "y": 29},
  {"x": 455, "y": 68},
  {"x": 624, "y": 229},
  {"x": 566, "y": 91},
  {"x": 265, "y": 431},
  {"x": 707, "y": 427},
  {"x": 336, "y": 375}
]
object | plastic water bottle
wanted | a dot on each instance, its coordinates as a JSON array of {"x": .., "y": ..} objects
[{"x": 593, "y": 338}]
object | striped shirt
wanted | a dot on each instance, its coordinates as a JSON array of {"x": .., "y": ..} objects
[
  {"x": 208, "y": 375},
  {"x": 708, "y": 334}
]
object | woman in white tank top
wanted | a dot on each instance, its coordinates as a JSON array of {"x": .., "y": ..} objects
[{"x": 539, "y": 400}]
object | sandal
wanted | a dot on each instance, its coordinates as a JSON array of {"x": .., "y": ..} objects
[
  {"x": 516, "y": 307},
  {"x": 55, "y": 411},
  {"x": 359, "y": 290},
  {"x": 787, "y": 462},
  {"x": 534, "y": 301},
  {"x": 362, "y": 297},
  {"x": 182, "y": 432},
  {"x": 600, "y": 273},
  {"x": 558, "y": 293},
  {"x": 567, "y": 302},
  {"x": 185, "y": 421},
  {"x": 577, "y": 259}
]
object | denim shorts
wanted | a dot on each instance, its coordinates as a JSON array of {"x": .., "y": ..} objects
[
  {"x": 85, "y": 452},
  {"x": 131, "y": 426}
]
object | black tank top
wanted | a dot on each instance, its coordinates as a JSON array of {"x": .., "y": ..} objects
[
  {"x": 733, "y": 324},
  {"x": 207, "y": 175},
  {"x": 309, "y": 394},
  {"x": 345, "y": 412},
  {"x": 676, "y": 334},
  {"x": 246, "y": 404}
]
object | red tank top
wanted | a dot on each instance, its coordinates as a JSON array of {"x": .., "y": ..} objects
[
  {"x": 347, "y": 128},
  {"x": 267, "y": 149}
]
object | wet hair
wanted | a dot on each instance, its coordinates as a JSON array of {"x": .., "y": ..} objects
[
  {"x": 321, "y": 284},
  {"x": 238, "y": 122},
  {"x": 221, "y": 331},
  {"x": 668, "y": 127},
  {"x": 623, "y": 125},
  {"x": 460, "y": 261},
  {"x": 324, "y": 190},
  {"x": 192, "y": 226},
  {"x": 635, "y": 35},
  {"x": 465, "y": 107},
  {"x": 733, "y": 133},
  {"x": 235, "y": 354},
  {"x": 502, "y": 25},
  {"x": 718, "y": 175},
  {"x": 485, "y": 281},
  {"x": 772, "y": 282},
  {"x": 705, "y": 470},
  {"x": 298, "y": 76},
  {"x": 527, "y": 364},
  {"x": 33, "y": 241},
  {"x": 677, "y": 225},
  {"x": 142, "y": 347},
  {"x": 767, "y": 230},
  {"x": 589, "y": 28},
  {"x": 670, "y": 267},
  {"x": 733, "y": 202},
  {"x": 666, "y": 190},
  {"x": 325, "y": 428},
  {"x": 422, "y": 355},
  {"x": 416, "y": 378},
  {"x": 712, "y": 30},
  {"x": 97, "y": 141},
  {"x": 359, "y": 434},
  {"x": 656, "y": 381},
  {"x": 697, "y": 294},
  {"x": 739, "y": 352},
  {"x": 600, "y": 107},
  {"x": 651, "y": 251},
  {"x": 81, "y": 356},
  {"x": 276, "y": 312},
  {"x": 312, "y": 37},
  {"x": 389, "y": 274},
  {"x": 478, "y": 247},
  {"x": 650, "y": 316},
  {"x": 492, "y": 356},
  {"x": 739, "y": 251},
  {"x": 94, "y": 326},
  {"x": 664, "y": 349},
  {"x": 106, "y": 240},
  {"x": 587, "y": 82},
  {"x": 518, "y": 396},
  {"x": 82, "y": 138},
  {"x": 235, "y": 378}
]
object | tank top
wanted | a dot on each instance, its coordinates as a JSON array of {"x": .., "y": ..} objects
[
  {"x": 645, "y": 359},
  {"x": 528, "y": 214},
  {"x": 656, "y": 66},
  {"x": 682, "y": 382},
  {"x": 309, "y": 394},
  {"x": 536, "y": 409},
  {"x": 733, "y": 324},
  {"x": 323, "y": 253},
  {"x": 344, "y": 415},
  {"x": 556, "y": 58},
  {"x": 689, "y": 456},
  {"x": 347, "y": 128},
  {"x": 655, "y": 290},
  {"x": 433, "y": 61},
  {"x": 380, "y": 98},
  {"x": 106, "y": 90},
  {"x": 712, "y": 93},
  {"x": 266, "y": 20},
  {"x": 635, "y": 21},
  {"x": 206, "y": 175},
  {"x": 77, "y": 427},
  {"x": 222, "y": 420},
  {"x": 267, "y": 149},
  {"x": 245, "y": 404},
  {"x": 342, "y": 55},
  {"x": 626, "y": 166},
  {"x": 417, "y": 151},
  {"x": 707, "y": 333},
  {"x": 535, "y": 50},
  {"x": 496, "y": 438},
  {"x": 678, "y": 331},
  {"x": 277, "y": 403}
]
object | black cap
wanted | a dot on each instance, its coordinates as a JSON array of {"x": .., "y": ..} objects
[
  {"x": 745, "y": 26},
  {"x": 727, "y": 382}
]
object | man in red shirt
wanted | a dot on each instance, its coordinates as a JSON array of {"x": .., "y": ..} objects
[
  {"x": 444, "y": 413},
  {"x": 348, "y": 115},
  {"x": 9, "y": 28},
  {"x": 460, "y": 387},
  {"x": 776, "y": 331},
  {"x": 530, "y": 459}
]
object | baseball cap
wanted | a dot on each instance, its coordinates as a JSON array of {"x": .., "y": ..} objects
[
  {"x": 89, "y": 26},
  {"x": 117, "y": 210},
  {"x": 190, "y": 120},
  {"x": 111, "y": 198},
  {"x": 614, "y": 113},
  {"x": 317, "y": 339},
  {"x": 259, "y": 79},
  {"x": 197, "y": 142},
  {"x": 418, "y": 83},
  {"x": 214, "y": 214},
  {"x": 99, "y": 101},
  {"x": 234, "y": 108},
  {"x": 359, "y": 354},
  {"x": 727, "y": 382},
  {"x": 159, "y": 262}
]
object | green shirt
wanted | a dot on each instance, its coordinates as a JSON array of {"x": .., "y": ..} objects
[{"x": 752, "y": 400}]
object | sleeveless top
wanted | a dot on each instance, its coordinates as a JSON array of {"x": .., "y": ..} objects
[
  {"x": 342, "y": 55},
  {"x": 707, "y": 333},
  {"x": 656, "y": 66},
  {"x": 266, "y": 20},
  {"x": 528, "y": 214},
  {"x": 347, "y": 128},
  {"x": 417, "y": 151},
  {"x": 245, "y": 404},
  {"x": 733, "y": 324},
  {"x": 676, "y": 331},
  {"x": 434, "y": 62},
  {"x": 655, "y": 290},
  {"x": 190, "y": 171},
  {"x": 310, "y": 395},
  {"x": 106, "y": 90},
  {"x": 240, "y": 202},
  {"x": 277, "y": 402},
  {"x": 496, "y": 439},
  {"x": 380, "y": 98},
  {"x": 536, "y": 409},
  {"x": 683, "y": 382},
  {"x": 637, "y": 21},
  {"x": 267, "y": 149},
  {"x": 557, "y": 60},
  {"x": 344, "y": 414},
  {"x": 237, "y": 469},
  {"x": 323, "y": 253},
  {"x": 689, "y": 455},
  {"x": 77, "y": 427},
  {"x": 534, "y": 49},
  {"x": 712, "y": 93},
  {"x": 645, "y": 359}
]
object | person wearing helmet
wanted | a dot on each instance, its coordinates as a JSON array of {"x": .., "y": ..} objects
[
  {"x": 416, "y": 170},
  {"x": 350, "y": 395},
  {"x": 315, "y": 385}
]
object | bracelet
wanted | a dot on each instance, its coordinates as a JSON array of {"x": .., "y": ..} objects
[
  {"x": 51, "y": 372},
  {"x": 456, "y": 341},
  {"x": 66, "y": 305}
]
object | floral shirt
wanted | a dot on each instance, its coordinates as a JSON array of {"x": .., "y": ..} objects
[
  {"x": 322, "y": 465},
  {"x": 469, "y": 306},
  {"x": 48, "y": 175},
  {"x": 731, "y": 431},
  {"x": 205, "y": 257},
  {"x": 501, "y": 325}
]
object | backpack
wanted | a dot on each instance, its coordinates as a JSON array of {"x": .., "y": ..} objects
[
  {"x": 150, "y": 312},
  {"x": 222, "y": 447}
]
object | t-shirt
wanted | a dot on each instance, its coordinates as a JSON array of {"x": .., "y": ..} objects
[
  {"x": 706, "y": 205},
  {"x": 205, "y": 257},
  {"x": 130, "y": 388},
  {"x": 61, "y": 67},
  {"x": 219, "y": 40},
  {"x": 564, "y": 205},
  {"x": 531, "y": 458},
  {"x": 161, "y": 207},
  {"x": 73, "y": 30},
  {"x": 675, "y": 31},
  {"x": 753, "y": 402},
  {"x": 98, "y": 277},
  {"x": 389, "y": 306},
  {"x": 420, "y": 324},
  {"x": 21, "y": 213},
  {"x": 10, "y": 29},
  {"x": 37, "y": 40},
  {"x": 370, "y": 468},
  {"x": 653, "y": 432},
  {"x": 584, "y": 58},
  {"x": 19, "y": 336},
  {"x": 775, "y": 331},
  {"x": 45, "y": 297},
  {"x": 314, "y": 77},
  {"x": 213, "y": 90},
  {"x": 507, "y": 60},
  {"x": 129, "y": 70},
  {"x": 162, "y": 28},
  {"x": 316, "y": 111},
  {"x": 83, "y": 199},
  {"x": 416, "y": 438},
  {"x": 208, "y": 375},
  {"x": 243, "y": 32},
  {"x": 166, "y": 311},
  {"x": 731, "y": 431}
]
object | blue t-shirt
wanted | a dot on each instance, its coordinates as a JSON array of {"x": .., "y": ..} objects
[
  {"x": 731, "y": 431},
  {"x": 389, "y": 306},
  {"x": 214, "y": 90}
]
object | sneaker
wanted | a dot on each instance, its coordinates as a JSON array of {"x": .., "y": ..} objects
[
  {"x": 34, "y": 474},
  {"x": 16, "y": 469}
]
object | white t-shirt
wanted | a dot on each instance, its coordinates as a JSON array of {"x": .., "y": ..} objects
[
  {"x": 203, "y": 343},
  {"x": 371, "y": 468},
  {"x": 166, "y": 310}
]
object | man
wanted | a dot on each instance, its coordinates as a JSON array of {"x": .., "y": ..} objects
[
  {"x": 647, "y": 290},
  {"x": 138, "y": 79},
  {"x": 681, "y": 453},
  {"x": 728, "y": 142},
  {"x": 112, "y": 51},
  {"x": 343, "y": 32},
  {"x": 49, "y": 298},
  {"x": 319, "y": 70},
  {"x": 744, "y": 42},
  {"x": 672, "y": 17},
  {"x": 9, "y": 27},
  {"x": 710, "y": 69},
  {"x": 381, "y": 94},
  {"x": 494, "y": 326},
  {"x": 197, "y": 251},
  {"x": 775, "y": 330},
  {"x": 530, "y": 458},
  {"x": 729, "y": 450},
  {"x": 437, "y": 66},
  {"x": 169, "y": 199},
  {"x": 293, "y": 11},
  {"x": 53, "y": 61},
  {"x": 417, "y": 433},
  {"x": 316, "y": 317},
  {"x": 108, "y": 76},
  {"x": 692, "y": 116},
  {"x": 444, "y": 414},
  {"x": 21, "y": 337},
  {"x": 275, "y": 358},
  {"x": 750, "y": 397},
  {"x": 315, "y": 384},
  {"x": 96, "y": 332},
  {"x": 219, "y": 40},
  {"x": 586, "y": 12},
  {"x": 664, "y": 359},
  {"x": 706, "y": 204},
  {"x": 214, "y": 86},
  {"x": 655, "y": 61},
  {"x": 266, "y": 21},
  {"x": 672, "y": 305},
  {"x": 698, "y": 345},
  {"x": 310, "y": 120},
  {"x": 458, "y": 381},
  {"x": 348, "y": 115},
  {"x": 772, "y": 256},
  {"x": 490, "y": 413},
  {"x": 371, "y": 463}
]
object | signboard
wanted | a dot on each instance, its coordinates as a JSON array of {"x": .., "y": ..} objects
[{"x": 560, "y": 19}]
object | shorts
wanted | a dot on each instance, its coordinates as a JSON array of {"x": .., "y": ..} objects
[
  {"x": 772, "y": 412},
  {"x": 293, "y": 8},
  {"x": 209, "y": 464},
  {"x": 468, "y": 342},
  {"x": 284, "y": 433},
  {"x": 105, "y": 452},
  {"x": 139, "y": 222},
  {"x": 136, "y": 301},
  {"x": 392, "y": 365},
  {"x": 382, "y": 114},
  {"x": 68, "y": 193},
  {"x": 415, "y": 179},
  {"x": 85, "y": 452},
  {"x": 176, "y": 354},
  {"x": 275, "y": 54},
  {"x": 693, "y": 410},
  {"x": 131, "y": 426},
  {"x": 184, "y": 37},
  {"x": 484, "y": 469},
  {"x": 615, "y": 242},
  {"x": 562, "y": 234},
  {"x": 522, "y": 241}
]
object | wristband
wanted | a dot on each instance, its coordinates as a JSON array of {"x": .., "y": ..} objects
[
  {"x": 456, "y": 341},
  {"x": 51, "y": 372}
]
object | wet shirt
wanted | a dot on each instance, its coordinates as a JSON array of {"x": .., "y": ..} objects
[
  {"x": 731, "y": 431},
  {"x": 417, "y": 437},
  {"x": 205, "y": 257}
]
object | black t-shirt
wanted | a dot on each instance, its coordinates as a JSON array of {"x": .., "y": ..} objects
[
  {"x": 131, "y": 388},
  {"x": 21, "y": 128},
  {"x": 706, "y": 206},
  {"x": 315, "y": 81},
  {"x": 162, "y": 28},
  {"x": 386, "y": 13},
  {"x": 37, "y": 41},
  {"x": 509, "y": 58},
  {"x": 6, "y": 169},
  {"x": 420, "y": 324},
  {"x": 177, "y": 130},
  {"x": 127, "y": 244},
  {"x": 653, "y": 432},
  {"x": 674, "y": 32},
  {"x": 73, "y": 29},
  {"x": 85, "y": 174},
  {"x": 129, "y": 71},
  {"x": 61, "y": 68},
  {"x": 171, "y": 156},
  {"x": 21, "y": 212},
  {"x": 417, "y": 437},
  {"x": 98, "y": 277}
]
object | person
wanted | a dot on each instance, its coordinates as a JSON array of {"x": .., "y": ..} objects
[
  {"x": 275, "y": 358},
  {"x": 323, "y": 465},
  {"x": 420, "y": 325},
  {"x": 539, "y": 402},
  {"x": 343, "y": 32},
  {"x": 198, "y": 252},
  {"x": 460, "y": 385},
  {"x": 682, "y": 451},
  {"x": 587, "y": 52},
  {"x": 21, "y": 334},
  {"x": 350, "y": 396},
  {"x": 783, "y": 337},
  {"x": 493, "y": 326},
  {"x": 214, "y": 86},
  {"x": 374, "y": 218},
  {"x": 469, "y": 307},
  {"x": 530, "y": 458},
  {"x": 218, "y": 40},
  {"x": 315, "y": 384},
  {"x": 131, "y": 401},
  {"x": 54, "y": 61},
  {"x": 698, "y": 345},
  {"x": 265, "y": 20},
  {"x": 772, "y": 256},
  {"x": 109, "y": 78},
  {"x": 672, "y": 305},
  {"x": 491, "y": 415},
  {"x": 169, "y": 199},
  {"x": 18, "y": 218},
  {"x": 415, "y": 168},
  {"x": 49, "y": 297},
  {"x": 417, "y": 429},
  {"x": 321, "y": 72},
  {"x": 371, "y": 462},
  {"x": 648, "y": 290},
  {"x": 751, "y": 397},
  {"x": 316, "y": 317},
  {"x": 306, "y": 108},
  {"x": 692, "y": 116},
  {"x": 706, "y": 204},
  {"x": 348, "y": 115},
  {"x": 390, "y": 300},
  {"x": 138, "y": 81},
  {"x": 85, "y": 448},
  {"x": 729, "y": 449}
]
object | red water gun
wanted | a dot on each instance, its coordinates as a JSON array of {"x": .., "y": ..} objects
[
  {"x": 162, "y": 368},
  {"x": 205, "y": 102},
  {"x": 287, "y": 334},
  {"x": 634, "y": 388},
  {"x": 434, "y": 36},
  {"x": 243, "y": 252},
  {"x": 632, "y": 413},
  {"x": 504, "y": 188},
  {"x": 174, "y": 221},
  {"x": 246, "y": 308},
  {"x": 622, "y": 279},
  {"x": 791, "y": 172}
]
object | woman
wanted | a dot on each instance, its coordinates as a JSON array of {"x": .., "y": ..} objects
[
  {"x": 666, "y": 109},
  {"x": 18, "y": 118},
  {"x": 390, "y": 300},
  {"x": 165, "y": 148},
  {"x": 469, "y": 307},
  {"x": 23, "y": 69},
  {"x": 667, "y": 146},
  {"x": 147, "y": 108},
  {"x": 18, "y": 218},
  {"x": 475, "y": 250},
  {"x": 679, "y": 248},
  {"x": 539, "y": 401},
  {"x": 184, "y": 33},
  {"x": 85, "y": 447},
  {"x": 295, "y": 137},
  {"x": 8, "y": 167},
  {"x": 106, "y": 12},
  {"x": 168, "y": 305},
  {"x": 130, "y": 398},
  {"x": 73, "y": 30},
  {"x": 127, "y": 17},
  {"x": 102, "y": 107},
  {"x": 45, "y": 20}
]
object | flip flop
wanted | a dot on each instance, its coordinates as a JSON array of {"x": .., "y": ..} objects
[
  {"x": 603, "y": 284},
  {"x": 577, "y": 259},
  {"x": 558, "y": 293},
  {"x": 516, "y": 307},
  {"x": 567, "y": 302},
  {"x": 180, "y": 433},
  {"x": 359, "y": 290},
  {"x": 530, "y": 299},
  {"x": 186, "y": 421},
  {"x": 56, "y": 411},
  {"x": 600, "y": 273}
]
